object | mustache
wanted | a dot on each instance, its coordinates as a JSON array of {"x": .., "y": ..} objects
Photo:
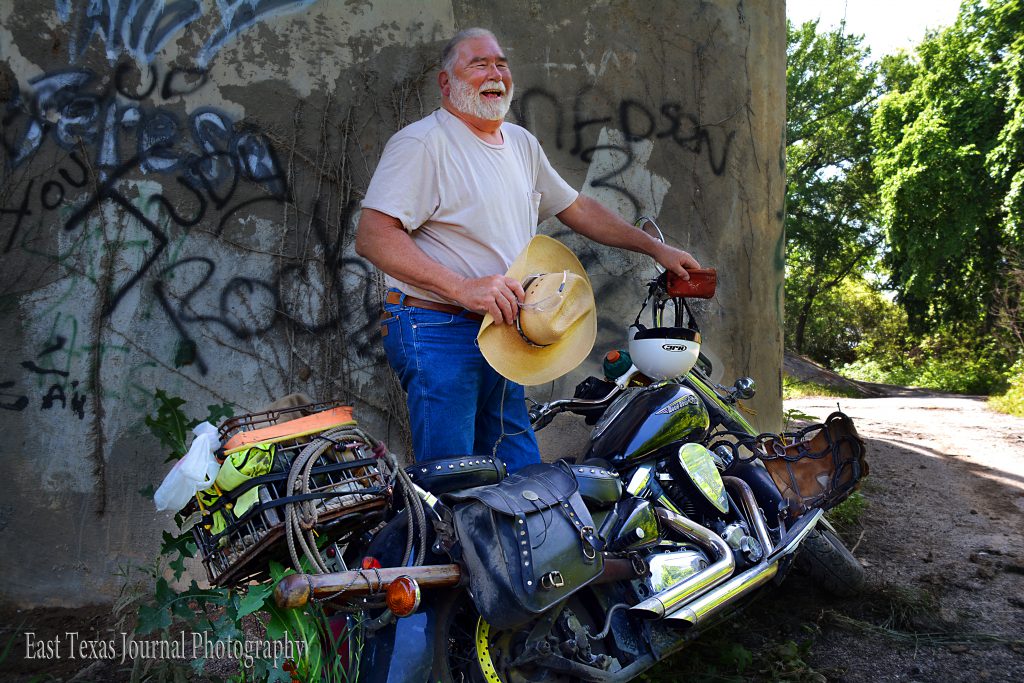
[{"x": 492, "y": 85}]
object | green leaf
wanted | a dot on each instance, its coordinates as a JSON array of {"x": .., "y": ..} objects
[
  {"x": 178, "y": 566},
  {"x": 216, "y": 413},
  {"x": 739, "y": 656},
  {"x": 198, "y": 665},
  {"x": 184, "y": 545},
  {"x": 255, "y": 598},
  {"x": 213, "y": 596},
  {"x": 277, "y": 628},
  {"x": 147, "y": 492},
  {"x": 278, "y": 571},
  {"x": 152, "y": 619},
  {"x": 270, "y": 671},
  {"x": 227, "y": 629},
  {"x": 170, "y": 425}
]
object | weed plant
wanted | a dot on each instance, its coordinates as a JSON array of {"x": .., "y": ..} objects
[
  {"x": 163, "y": 610},
  {"x": 794, "y": 388},
  {"x": 1012, "y": 401},
  {"x": 847, "y": 515}
]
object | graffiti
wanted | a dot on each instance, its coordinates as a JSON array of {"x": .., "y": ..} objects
[
  {"x": 141, "y": 28},
  {"x": 638, "y": 123},
  {"x": 58, "y": 391},
  {"x": 72, "y": 108},
  {"x": 248, "y": 307},
  {"x": 206, "y": 155},
  {"x": 238, "y": 15}
]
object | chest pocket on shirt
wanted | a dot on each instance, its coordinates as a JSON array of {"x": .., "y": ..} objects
[{"x": 535, "y": 198}]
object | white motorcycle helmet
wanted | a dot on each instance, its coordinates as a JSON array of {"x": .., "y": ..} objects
[{"x": 662, "y": 352}]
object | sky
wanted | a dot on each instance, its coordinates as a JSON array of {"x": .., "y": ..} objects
[{"x": 887, "y": 25}]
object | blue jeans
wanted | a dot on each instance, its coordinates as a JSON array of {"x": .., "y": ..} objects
[{"x": 458, "y": 404}]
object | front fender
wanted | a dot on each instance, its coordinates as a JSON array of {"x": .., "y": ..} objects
[{"x": 402, "y": 652}]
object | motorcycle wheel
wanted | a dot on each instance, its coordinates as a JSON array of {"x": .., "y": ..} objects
[
  {"x": 828, "y": 563},
  {"x": 467, "y": 650}
]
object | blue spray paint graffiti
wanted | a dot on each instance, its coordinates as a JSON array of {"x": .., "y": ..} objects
[{"x": 141, "y": 28}]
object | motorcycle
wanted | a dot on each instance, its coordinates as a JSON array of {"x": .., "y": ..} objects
[{"x": 592, "y": 570}]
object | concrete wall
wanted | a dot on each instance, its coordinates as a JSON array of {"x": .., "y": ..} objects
[{"x": 180, "y": 188}]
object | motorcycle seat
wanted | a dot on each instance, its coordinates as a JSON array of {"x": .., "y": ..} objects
[
  {"x": 456, "y": 473},
  {"x": 599, "y": 487}
]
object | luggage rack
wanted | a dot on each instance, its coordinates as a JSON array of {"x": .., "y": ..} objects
[{"x": 348, "y": 483}]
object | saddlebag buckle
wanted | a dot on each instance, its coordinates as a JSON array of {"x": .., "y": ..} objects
[{"x": 552, "y": 580}]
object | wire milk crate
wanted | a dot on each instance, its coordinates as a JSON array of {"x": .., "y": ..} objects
[{"x": 339, "y": 484}]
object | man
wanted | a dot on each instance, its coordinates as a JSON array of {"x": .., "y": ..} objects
[{"x": 456, "y": 196}]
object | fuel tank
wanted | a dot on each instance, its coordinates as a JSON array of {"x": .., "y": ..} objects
[{"x": 645, "y": 419}]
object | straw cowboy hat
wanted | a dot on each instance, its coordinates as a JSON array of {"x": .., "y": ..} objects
[{"x": 557, "y": 323}]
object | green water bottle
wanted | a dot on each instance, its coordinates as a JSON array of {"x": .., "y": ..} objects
[{"x": 616, "y": 363}]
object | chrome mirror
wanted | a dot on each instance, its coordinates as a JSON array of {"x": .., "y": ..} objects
[{"x": 744, "y": 388}]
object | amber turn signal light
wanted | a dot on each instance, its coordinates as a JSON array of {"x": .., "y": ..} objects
[{"x": 402, "y": 596}]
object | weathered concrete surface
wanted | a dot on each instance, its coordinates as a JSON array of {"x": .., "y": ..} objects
[{"x": 180, "y": 185}]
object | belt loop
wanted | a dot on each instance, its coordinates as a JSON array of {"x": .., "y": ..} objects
[{"x": 400, "y": 293}]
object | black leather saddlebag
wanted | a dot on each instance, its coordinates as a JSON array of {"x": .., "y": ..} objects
[{"x": 527, "y": 543}]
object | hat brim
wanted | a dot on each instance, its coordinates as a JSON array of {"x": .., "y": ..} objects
[{"x": 507, "y": 352}]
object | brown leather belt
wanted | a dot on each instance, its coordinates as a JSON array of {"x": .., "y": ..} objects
[{"x": 396, "y": 298}]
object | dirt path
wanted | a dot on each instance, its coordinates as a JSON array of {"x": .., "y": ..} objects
[{"x": 942, "y": 537}]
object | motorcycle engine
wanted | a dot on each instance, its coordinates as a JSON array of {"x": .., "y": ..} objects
[{"x": 670, "y": 567}]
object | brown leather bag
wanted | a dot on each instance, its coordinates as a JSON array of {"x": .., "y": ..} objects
[{"x": 819, "y": 466}]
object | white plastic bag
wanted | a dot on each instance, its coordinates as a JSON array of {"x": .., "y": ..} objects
[{"x": 195, "y": 472}]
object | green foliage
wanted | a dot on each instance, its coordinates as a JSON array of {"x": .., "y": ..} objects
[
  {"x": 791, "y": 414},
  {"x": 831, "y": 195},
  {"x": 171, "y": 426},
  {"x": 939, "y": 173},
  {"x": 1012, "y": 401},
  {"x": 949, "y": 163},
  {"x": 847, "y": 514},
  {"x": 15, "y": 636},
  {"x": 717, "y": 656},
  {"x": 794, "y": 388},
  {"x": 846, "y": 321},
  {"x": 225, "y": 614},
  {"x": 946, "y": 362}
]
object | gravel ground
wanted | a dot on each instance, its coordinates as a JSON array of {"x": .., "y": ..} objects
[{"x": 942, "y": 538}]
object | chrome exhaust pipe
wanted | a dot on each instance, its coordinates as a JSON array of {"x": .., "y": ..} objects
[
  {"x": 752, "y": 509},
  {"x": 672, "y": 598},
  {"x": 705, "y": 605},
  {"x": 714, "y": 600}
]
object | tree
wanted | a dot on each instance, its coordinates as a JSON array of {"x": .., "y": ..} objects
[
  {"x": 950, "y": 165},
  {"x": 831, "y": 195}
]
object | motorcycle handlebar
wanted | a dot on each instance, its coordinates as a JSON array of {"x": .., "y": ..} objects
[{"x": 542, "y": 414}]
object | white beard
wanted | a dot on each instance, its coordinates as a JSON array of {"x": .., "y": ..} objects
[{"x": 469, "y": 101}]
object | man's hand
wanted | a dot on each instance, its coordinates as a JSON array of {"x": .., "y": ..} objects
[
  {"x": 494, "y": 294},
  {"x": 676, "y": 260}
]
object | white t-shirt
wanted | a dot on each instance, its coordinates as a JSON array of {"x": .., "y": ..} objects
[{"x": 469, "y": 205}]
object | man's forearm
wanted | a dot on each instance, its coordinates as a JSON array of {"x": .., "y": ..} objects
[
  {"x": 383, "y": 241},
  {"x": 593, "y": 220}
]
